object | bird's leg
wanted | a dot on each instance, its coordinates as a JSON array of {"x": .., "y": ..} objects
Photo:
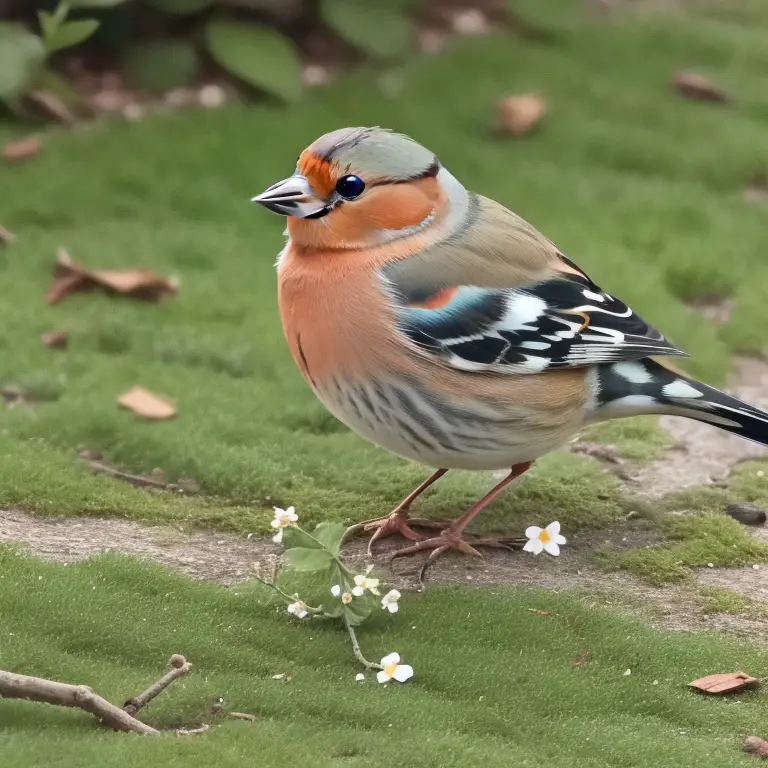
[
  {"x": 452, "y": 537},
  {"x": 396, "y": 522}
]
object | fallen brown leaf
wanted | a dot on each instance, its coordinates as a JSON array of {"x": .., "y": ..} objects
[
  {"x": 6, "y": 237},
  {"x": 581, "y": 659},
  {"x": 243, "y": 716},
  {"x": 146, "y": 404},
  {"x": 540, "y": 612},
  {"x": 756, "y": 190},
  {"x": 697, "y": 87},
  {"x": 140, "y": 283},
  {"x": 754, "y": 745},
  {"x": 55, "y": 339},
  {"x": 720, "y": 684},
  {"x": 518, "y": 115},
  {"x": 21, "y": 149}
]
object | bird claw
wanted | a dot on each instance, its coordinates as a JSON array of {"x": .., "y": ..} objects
[{"x": 448, "y": 540}]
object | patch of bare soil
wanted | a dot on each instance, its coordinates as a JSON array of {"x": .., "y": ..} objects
[
  {"x": 703, "y": 454},
  {"x": 228, "y": 559}
]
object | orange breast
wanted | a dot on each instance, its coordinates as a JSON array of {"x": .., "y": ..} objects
[{"x": 333, "y": 313}]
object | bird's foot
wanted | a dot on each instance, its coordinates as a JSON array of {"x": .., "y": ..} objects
[
  {"x": 397, "y": 523},
  {"x": 452, "y": 539}
]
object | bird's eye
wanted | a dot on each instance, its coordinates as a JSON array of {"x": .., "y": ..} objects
[{"x": 350, "y": 187}]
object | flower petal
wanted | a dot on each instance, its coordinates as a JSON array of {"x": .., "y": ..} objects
[
  {"x": 552, "y": 548},
  {"x": 403, "y": 672},
  {"x": 390, "y": 658},
  {"x": 358, "y": 591},
  {"x": 553, "y": 528},
  {"x": 533, "y": 545},
  {"x": 382, "y": 676},
  {"x": 359, "y": 580},
  {"x": 278, "y": 537},
  {"x": 335, "y": 590},
  {"x": 392, "y": 607},
  {"x": 533, "y": 532},
  {"x": 559, "y": 539},
  {"x": 359, "y": 677}
]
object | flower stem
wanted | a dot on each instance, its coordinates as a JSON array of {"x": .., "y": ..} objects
[
  {"x": 285, "y": 595},
  {"x": 356, "y": 647}
]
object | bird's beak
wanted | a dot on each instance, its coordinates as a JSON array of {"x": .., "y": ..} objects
[{"x": 291, "y": 197}]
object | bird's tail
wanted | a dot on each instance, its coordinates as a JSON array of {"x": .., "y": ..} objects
[{"x": 646, "y": 386}]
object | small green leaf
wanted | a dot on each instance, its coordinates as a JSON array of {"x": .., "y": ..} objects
[
  {"x": 309, "y": 560},
  {"x": 258, "y": 55},
  {"x": 330, "y": 535},
  {"x": 21, "y": 56},
  {"x": 358, "y": 610},
  {"x": 295, "y": 537},
  {"x": 161, "y": 65},
  {"x": 376, "y": 28},
  {"x": 181, "y": 7},
  {"x": 68, "y": 34}
]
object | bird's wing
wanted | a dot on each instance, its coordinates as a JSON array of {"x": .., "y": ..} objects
[
  {"x": 562, "y": 322},
  {"x": 502, "y": 297}
]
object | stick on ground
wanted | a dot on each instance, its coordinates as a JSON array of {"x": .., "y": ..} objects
[
  {"x": 13, "y": 686},
  {"x": 178, "y": 666}
]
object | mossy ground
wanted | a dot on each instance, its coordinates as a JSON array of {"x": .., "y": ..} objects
[
  {"x": 642, "y": 188},
  {"x": 502, "y": 686}
]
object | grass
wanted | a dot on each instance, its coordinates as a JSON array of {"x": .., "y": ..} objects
[
  {"x": 724, "y": 600},
  {"x": 499, "y": 690},
  {"x": 641, "y": 187}
]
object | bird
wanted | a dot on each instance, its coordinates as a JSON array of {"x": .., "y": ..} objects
[{"x": 443, "y": 327}]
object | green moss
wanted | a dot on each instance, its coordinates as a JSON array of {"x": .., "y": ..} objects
[
  {"x": 695, "y": 541},
  {"x": 621, "y": 176},
  {"x": 480, "y": 696},
  {"x": 723, "y": 600},
  {"x": 639, "y": 439}
]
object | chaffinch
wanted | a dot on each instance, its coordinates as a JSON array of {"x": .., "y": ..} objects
[{"x": 443, "y": 327}]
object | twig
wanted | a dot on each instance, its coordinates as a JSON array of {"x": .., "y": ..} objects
[
  {"x": 13, "y": 686},
  {"x": 138, "y": 480},
  {"x": 243, "y": 716},
  {"x": 179, "y": 666},
  {"x": 356, "y": 648}
]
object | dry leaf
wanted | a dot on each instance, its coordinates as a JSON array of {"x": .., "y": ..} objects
[
  {"x": 720, "y": 684},
  {"x": 55, "y": 339},
  {"x": 147, "y": 404},
  {"x": 581, "y": 659},
  {"x": 518, "y": 115},
  {"x": 22, "y": 149},
  {"x": 540, "y": 612},
  {"x": 756, "y": 746},
  {"x": 140, "y": 283},
  {"x": 698, "y": 87},
  {"x": 757, "y": 188},
  {"x": 243, "y": 716},
  {"x": 6, "y": 237}
]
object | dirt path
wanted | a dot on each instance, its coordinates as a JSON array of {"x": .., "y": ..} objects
[{"x": 703, "y": 453}]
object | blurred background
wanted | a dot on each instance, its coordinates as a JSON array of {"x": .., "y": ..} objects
[{"x": 634, "y": 133}]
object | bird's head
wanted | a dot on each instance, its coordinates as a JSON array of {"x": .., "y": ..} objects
[{"x": 360, "y": 187}]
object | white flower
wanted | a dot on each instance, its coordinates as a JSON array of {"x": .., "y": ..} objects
[
  {"x": 544, "y": 539},
  {"x": 389, "y": 601},
  {"x": 359, "y": 677},
  {"x": 362, "y": 582},
  {"x": 298, "y": 609},
  {"x": 283, "y": 518},
  {"x": 346, "y": 597},
  {"x": 394, "y": 670}
]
